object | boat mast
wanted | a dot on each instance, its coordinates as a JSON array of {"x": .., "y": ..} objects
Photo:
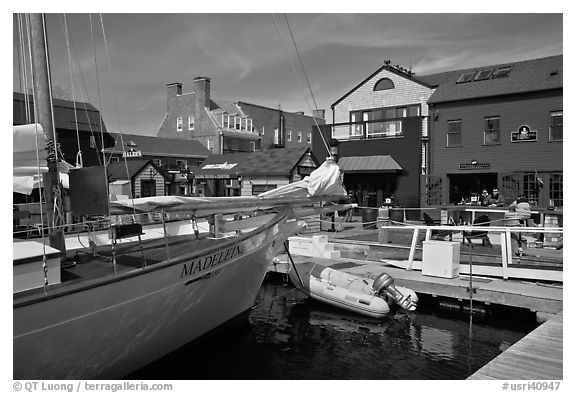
[{"x": 42, "y": 103}]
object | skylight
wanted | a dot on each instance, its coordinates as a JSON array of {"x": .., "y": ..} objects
[
  {"x": 501, "y": 72},
  {"x": 483, "y": 75},
  {"x": 466, "y": 77}
]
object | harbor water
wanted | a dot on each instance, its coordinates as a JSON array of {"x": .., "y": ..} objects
[{"x": 289, "y": 336}]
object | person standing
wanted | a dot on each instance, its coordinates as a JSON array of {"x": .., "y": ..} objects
[{"x": 518, "y": 215}]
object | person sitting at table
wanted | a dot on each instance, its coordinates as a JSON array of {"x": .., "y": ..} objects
[
  {"x": 496, "y": 199},
  {"x": 485, "y": 198}
]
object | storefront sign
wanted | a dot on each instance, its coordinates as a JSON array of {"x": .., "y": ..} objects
[
  {"x": 132, "y": 153},
  {"x": 224, "y": 166},
  {"x": 475, "y": 165},
  {"x": 214, "y": 176},
  {"x": 524, "y": 134}
]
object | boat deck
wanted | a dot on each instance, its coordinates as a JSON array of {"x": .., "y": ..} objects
[{"x": 82, "y": 265}]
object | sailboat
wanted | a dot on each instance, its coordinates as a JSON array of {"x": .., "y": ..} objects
[{"x": 136, "y": 291}]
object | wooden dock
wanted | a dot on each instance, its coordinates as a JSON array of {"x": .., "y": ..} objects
[
  {"x": 538, "y": 356},
  {"x": 545, "y": 300}
]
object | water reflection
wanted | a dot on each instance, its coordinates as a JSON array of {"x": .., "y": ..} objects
[{"x": 291, "y": 337}]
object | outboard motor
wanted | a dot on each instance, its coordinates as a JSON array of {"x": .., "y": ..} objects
[{"x": 384, "y": 284}]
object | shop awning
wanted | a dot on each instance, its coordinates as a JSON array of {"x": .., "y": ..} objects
[{"x": 368, "y": 164}]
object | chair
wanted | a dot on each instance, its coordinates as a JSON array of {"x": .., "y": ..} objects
[
  {"x": 436, "y": 234},
  {"x": 482, "y": 221}
]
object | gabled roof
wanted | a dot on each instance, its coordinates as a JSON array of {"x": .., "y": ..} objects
[
  {"x": 388, "y": 68},
  {"x": 117, "y": 170},
  {"x": 157, "y": 146},
  {"x": 272, "y": 162},
  {"x": 87, "y": 116},
  {"x": 525, "y": 76}
]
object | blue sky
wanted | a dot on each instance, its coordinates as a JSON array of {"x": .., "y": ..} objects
[{"x": 248, "y": 59}]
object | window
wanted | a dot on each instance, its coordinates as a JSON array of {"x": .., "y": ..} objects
[
  {"x": 182, "y": 164},
  {"x": 556, "y": 189},
  {"x": 413, "y": 110},
  {"x": 190, "y": 123},
  {"x": 277, "y": 136},
  {"x": 385, "y": 129},
  {"x": 289, "y": 136},
  {"x": 179, "y": 123},
  {"x": 299, "y": 136},
  {"x": 249, "y": 125},
  {"x": 157, "y": 161},
  {"x": 454, "y": 137},
  {"x": 356, "y": 129},
  {"x": 92, "y": 142},
  {"x": 390, "y": 113},
  {"x": 262, "y": 132},
  {"x": 483, "y": 75},
  {"x": 384, "y": 84},
  {"x": 260, "y": 188},
  {"x": 401, "y": 112},
  {"x": 556, "y": 120},
  {"x": 209, "y": 145},
  {"x": 532, "y": 187},
  {"x": 502, "y": 72},
  {"x": 492, "y": 130},
  {"x": 309, "y": 138},
  {"x": 225, "y": 121},
  {"x": 237, "y": 121},
  {"x": 243, "y": 124},
  {"x": 147, "y": 187},
  {"x": 466, "y": 77},
  {"x": 114, "y": 159}
]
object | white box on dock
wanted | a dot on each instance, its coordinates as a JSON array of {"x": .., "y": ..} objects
[
  {"x": 441, "y": 258},
  {"x": 315, "y": 246}
]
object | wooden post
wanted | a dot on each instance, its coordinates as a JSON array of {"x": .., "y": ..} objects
[{"x": 383, "y": 225}]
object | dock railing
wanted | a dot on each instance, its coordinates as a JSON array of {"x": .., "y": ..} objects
[{"x": 540, "y": 257}]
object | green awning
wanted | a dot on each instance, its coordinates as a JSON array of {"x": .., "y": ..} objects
[{"x": 368, "y": 164}]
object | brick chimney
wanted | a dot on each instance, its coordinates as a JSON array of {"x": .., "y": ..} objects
[
  {"x": 319, "y": 113},
  {"x": 173, "y": 90},
  {"x": 202, "y": 92}
]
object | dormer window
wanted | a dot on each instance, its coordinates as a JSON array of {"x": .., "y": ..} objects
[
  {"x": 190, "y": 123},
  {"x": 384, "y": 84},
  {"x": 237, "y": 121},
  {"x": 249, "y": 125},
  {"x": 225, "y": 121},
  {"x": 179, "y": 123}
]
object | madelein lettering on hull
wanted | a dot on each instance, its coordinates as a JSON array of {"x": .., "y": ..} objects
[{"x": 212, "y": 260}]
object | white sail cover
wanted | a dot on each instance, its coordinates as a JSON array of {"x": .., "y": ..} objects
[
  {"x": 29, "y": 157},
  {"x": 324, "y": 180}
]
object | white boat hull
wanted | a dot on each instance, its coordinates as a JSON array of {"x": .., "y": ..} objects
[
  {"x": 343, "y": 290},
  {"x": 112, "y": 329}
]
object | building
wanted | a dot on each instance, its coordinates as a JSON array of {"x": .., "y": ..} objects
[
  {"x": 136, "y": 178},
  {"x": 497, "y": 126},
  {"x": 244, "y": 174},
  {"x": 229, "y": 127},
  {"x": 381, "y": 125},
  {"x": 440, "y": 139},
  {"x": 176, "y": 158},
  {"x": 79, "y": 128}
]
